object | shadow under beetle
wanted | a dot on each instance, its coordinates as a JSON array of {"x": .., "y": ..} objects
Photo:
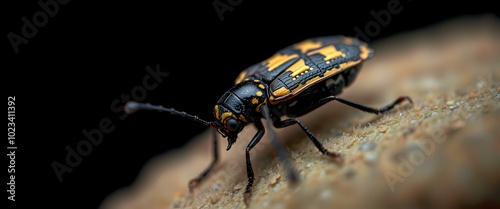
[{"x": 293, "y": 82}]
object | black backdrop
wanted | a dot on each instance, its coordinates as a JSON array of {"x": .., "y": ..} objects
[{"x": 68, "y": 75}]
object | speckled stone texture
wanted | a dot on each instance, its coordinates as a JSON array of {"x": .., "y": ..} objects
[{"x": 442, "y": 152}]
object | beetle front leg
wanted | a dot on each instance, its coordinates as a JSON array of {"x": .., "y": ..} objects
[
  {"x": 195, "y": 181},
  {"x": 250, "y": 175}
]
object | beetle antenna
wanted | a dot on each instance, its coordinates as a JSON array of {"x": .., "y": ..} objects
[{"x": 132, "y": 107}]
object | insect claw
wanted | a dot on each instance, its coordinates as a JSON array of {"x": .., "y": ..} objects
[
  {"x": 193, "y": 183},
  {"x": 336, "y": 157},
  {"x": 246, "y": 195}
]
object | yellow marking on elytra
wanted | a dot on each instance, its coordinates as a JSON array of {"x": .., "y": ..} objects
[
  {"x": 240, "y": 77},
  {"x": 258, "y": 93},
  {"x": 298, "y": 67},
  {"x": 293, "y": 103},
  {"x": 365, "y": 52},
  {"x": 281, "y": 91},
  {"x": 307, "y": 45},
  {"x": 255, "y": 100},
  {"x": 262, "y": 86},
  {"x": 330, "y": 52},
  {"x": 284, "y": 92},
  {"x": 348, "y": 40},
  {"x": 256, "y": 81},
  {"x": 277, "y": 60},
  {"x": 216, "y": 110},
  {"x": 300, "y": 70}
]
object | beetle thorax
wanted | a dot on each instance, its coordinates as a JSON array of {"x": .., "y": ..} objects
[{"x": 242, "y": 102}]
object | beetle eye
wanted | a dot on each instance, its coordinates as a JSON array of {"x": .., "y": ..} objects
[{"x": 232, "y": 125}]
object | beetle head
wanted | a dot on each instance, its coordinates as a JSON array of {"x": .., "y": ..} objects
[
  {"x": 238, "y": 107},
  {"x": 227, "y": 123}
]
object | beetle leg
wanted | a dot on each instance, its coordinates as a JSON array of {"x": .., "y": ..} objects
[
  {"x": 370, "y": 109},
  {"x": 250, "y": 176},
  {"x": 195, "y": 181},
  {"x": 321, "y": 148},
  {"x": 280, "y": 149}
]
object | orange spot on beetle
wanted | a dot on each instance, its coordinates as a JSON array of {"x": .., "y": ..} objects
[{"x": 307, "y": 45}]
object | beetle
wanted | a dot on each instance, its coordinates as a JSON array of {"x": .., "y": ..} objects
[{"x": 293, "y": 82}]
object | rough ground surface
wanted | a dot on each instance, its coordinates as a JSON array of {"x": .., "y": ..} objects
[{"x": 442, "y": 152}]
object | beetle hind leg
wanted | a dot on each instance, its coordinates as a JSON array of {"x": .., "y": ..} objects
[
  {"x": 370, "y": 109},
  {"x": 298, "y": 109}
]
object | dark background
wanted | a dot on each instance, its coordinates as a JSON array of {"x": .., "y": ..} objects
[{"x": 67, "y": 76}]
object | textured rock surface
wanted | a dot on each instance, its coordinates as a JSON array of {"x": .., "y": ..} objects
[{"x": 442, "y": 152}]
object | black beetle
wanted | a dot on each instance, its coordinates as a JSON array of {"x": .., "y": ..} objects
[{"x": 293, "y": 82}]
